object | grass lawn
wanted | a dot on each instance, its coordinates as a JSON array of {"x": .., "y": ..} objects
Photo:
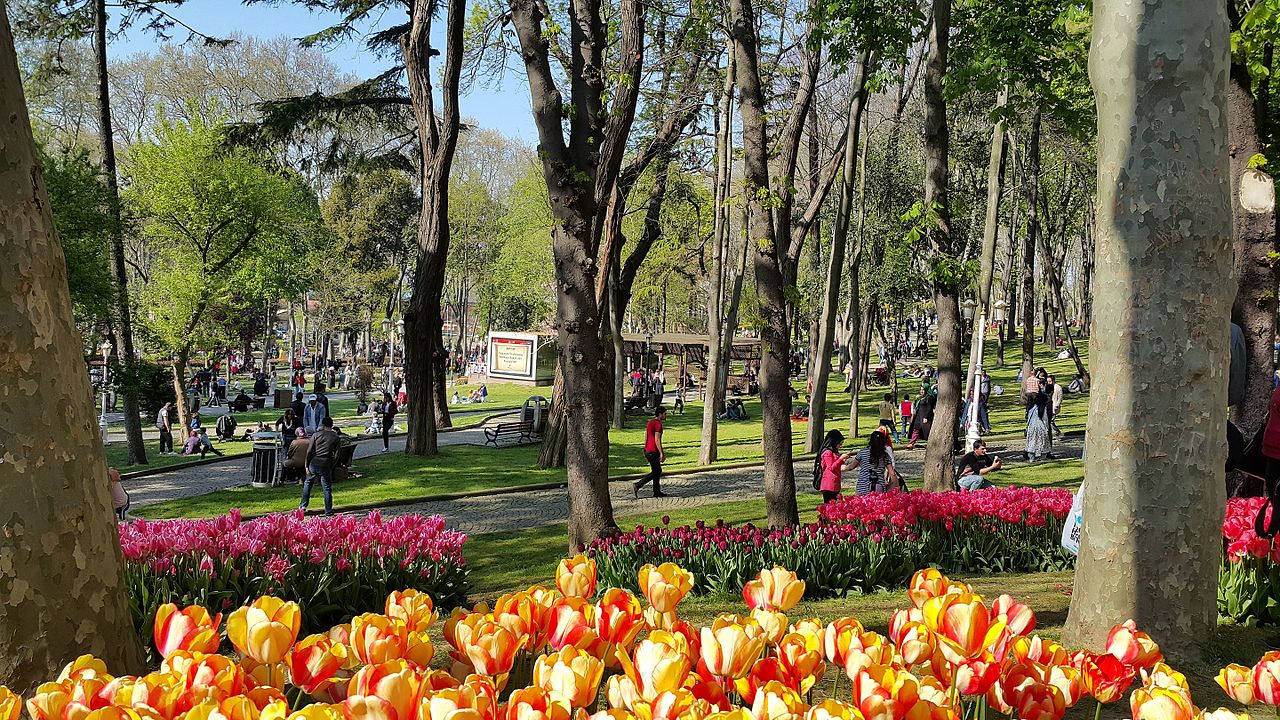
[
  {"x": 505, "y": 562},
  {"x": 739, "y": 441}
]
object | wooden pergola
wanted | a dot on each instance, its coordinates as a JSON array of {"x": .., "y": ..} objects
[{"x": 689, "y": 347}]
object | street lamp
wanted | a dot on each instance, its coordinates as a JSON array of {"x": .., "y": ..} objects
[
  {"x": 400, "y": 333},
  {"x": 102, "y": 418},
  {"x": 972, "y": 428}
]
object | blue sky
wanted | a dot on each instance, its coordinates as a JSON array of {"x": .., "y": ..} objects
[{"x": 504, "y": 108}]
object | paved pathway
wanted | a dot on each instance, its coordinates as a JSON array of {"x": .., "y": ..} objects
[
  {"x": 201, "y": 479},
  {"x": 497, "y": 513}
]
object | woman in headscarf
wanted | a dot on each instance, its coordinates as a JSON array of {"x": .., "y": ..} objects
[{"x": 1038, "y": 428}]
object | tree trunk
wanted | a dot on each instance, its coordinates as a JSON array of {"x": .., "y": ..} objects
[
  {"x": 438, "y": 137},
  {"x": 556, "y": 437},
  {"x": 61, "y": 574},
  {"x": 836, "y": 266},
  {"x": 123, "y": 350},
  {"x": 1028, "y": 274},
  {"x": 767, "y": 250},
  {"x": 939, "y": 473},
  {"x": 719, "y": 299},
  {"x": 1006, "y": 273},
  {"x": 1255, "y": 241},
  {"x": 855, "y": 331},
  {"x": 1154, "y": 501},
  {"x": 990, "y": 228}
]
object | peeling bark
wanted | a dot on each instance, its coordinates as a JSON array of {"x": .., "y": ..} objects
[
  {"x": 1154, "y": 499},
  {"x": 59, "y": 550}
]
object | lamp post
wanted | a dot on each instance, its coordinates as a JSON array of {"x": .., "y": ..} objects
[
  {"x": 972, "y": 427},
  {"x": 102, "y": 418},
  {"x": 400, "y": 334}
]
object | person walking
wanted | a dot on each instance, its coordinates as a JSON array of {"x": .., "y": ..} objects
[
  {"x": 905, "y": 411},
  {"x": 654, "y": 453},
  {"x": 889, "y": 415},
  {"x": 874, "y": 464},
  {"x": 165, "y": 425},
  {"x": 389, "y": 409},
  {"x": 830, "y": 466},
  {"x": 1055, "y": 395},
  {"x": 320, "y": 458}
]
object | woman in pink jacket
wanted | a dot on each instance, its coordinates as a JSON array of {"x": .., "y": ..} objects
[{"x": 831, "y": 465}]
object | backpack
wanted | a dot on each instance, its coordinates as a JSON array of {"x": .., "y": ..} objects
[{"x": 817, "y": 470}]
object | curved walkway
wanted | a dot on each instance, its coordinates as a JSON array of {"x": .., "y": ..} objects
[
  {"x": 191, "y": 480},
  {"x": 515, "y": 511}
]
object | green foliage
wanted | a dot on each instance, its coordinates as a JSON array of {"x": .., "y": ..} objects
[
  {"x": 517, "y": 295},
  {"x": 847, "y": 27},
  {"x": 223, "y": 225},
  {"x": 81, "y": 206}
]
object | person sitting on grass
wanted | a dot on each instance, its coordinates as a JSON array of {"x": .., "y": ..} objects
[
  {"x": 976, "y": 465},
  {"x": 801, "y": 412}
]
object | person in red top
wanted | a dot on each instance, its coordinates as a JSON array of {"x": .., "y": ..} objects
[
  {"x": 1271, "y": 451},
  {"x": 654, "y": 453}
]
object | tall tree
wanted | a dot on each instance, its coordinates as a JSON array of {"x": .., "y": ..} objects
[
  {"x": 946, "y": 271},
  {"x": 64, "y": 592},
  {"x": 438, "y": 139},
  {"x": 1254, "y": 228},
  {"x": 1153, "y": 502},
  {"x": 581, "y": 170}
]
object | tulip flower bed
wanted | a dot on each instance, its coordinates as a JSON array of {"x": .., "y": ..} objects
[
  {"x": 545, "y": 654},
  {"x": 864, "y": 543},
  {"x": 1249, "y": 578},
  {"x": 332, "y": 566}
]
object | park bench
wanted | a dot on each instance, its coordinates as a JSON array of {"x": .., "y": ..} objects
[{"x": 522, "y": 430}]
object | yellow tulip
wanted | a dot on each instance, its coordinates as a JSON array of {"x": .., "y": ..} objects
[
  {"x": 388, "y": 691},
  {"x": 492, "y": 649},
  {"x": 775, "y": 589},
  {"x": 264, "y": 674},
  {"x": 1237, "y": 682},
  {"x": 729, "y": 652},
  {"x": 1221, "y": 714},
  {"x": 266, "y": 629},
  {"x": 833, "y": 710},
  {"x": 576, "y": 576},
  {"x": 213, "y": 678},
  {"x": 772, "y": 623},
  {"x": 665, "y": 585},
  {"x": 10, "y": 704},
  {"x": 83, "y": 667},
  {"x": 534, "y": 703},
  {"x": 570, "y": 674},
  {"x": 460, "y": 703},
  {"x": 802, "y": 661},
  {"x": 621, "y": 692},
  {"x": 659, "y": 663},
  {"x": 378, "y": 638},
  {"x": 839, "y": 636},
  {"x": 930, "y": 583},
  {"x": 189, "y": 628},
  {"x": 1161, "y": 703},
  {"x": 415, "y": 609},
  {"x": 112, "y": 712},
  {"x": 49, "y": 700},
  {"x": 317, "y": 711},
  {"x": 775, "y": 701},
  {"x": 612, "y": 714}
]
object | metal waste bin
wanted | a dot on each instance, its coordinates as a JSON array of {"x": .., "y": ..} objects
[
  {"x": 266, "y": 461},
  {"x": 535, "y": 412},
  {"x": 283, "y": 398}
]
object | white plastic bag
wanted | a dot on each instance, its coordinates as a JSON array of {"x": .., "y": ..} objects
[{"x": 1075, "y": 521}]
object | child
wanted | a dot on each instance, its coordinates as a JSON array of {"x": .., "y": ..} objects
[{"x": 905, "y": 411}]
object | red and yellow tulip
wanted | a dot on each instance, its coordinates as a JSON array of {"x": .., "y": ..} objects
[
  {"x": 415, "y": 609},
  {"x": 774, "y": 589},
  {"x": 190, "y": 628},
  {"x": 571, "y": 674}
]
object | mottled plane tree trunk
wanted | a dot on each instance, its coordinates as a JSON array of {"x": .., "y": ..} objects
[
  {"x": 1153, "y": 501},
  {"x": 59, "y": 552}
]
